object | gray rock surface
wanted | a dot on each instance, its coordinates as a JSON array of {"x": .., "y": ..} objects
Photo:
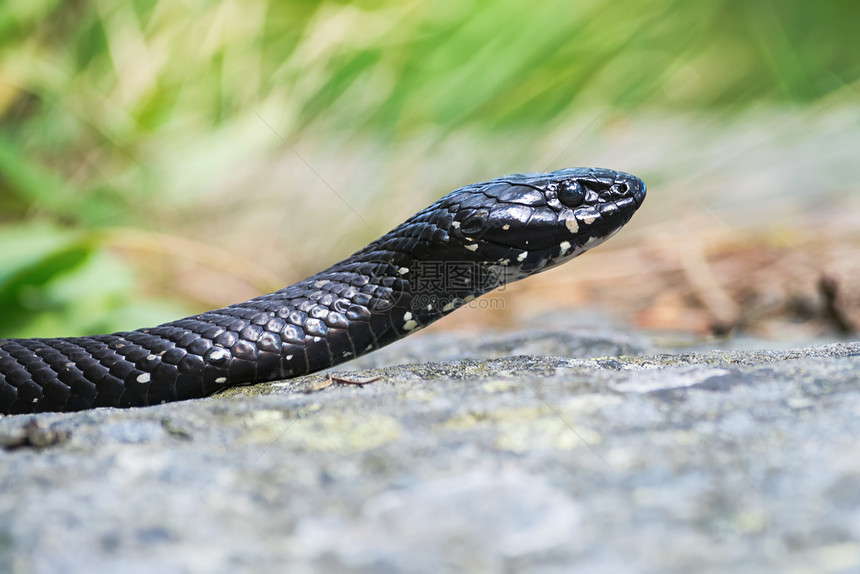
[{"x": 524, "y": 452}]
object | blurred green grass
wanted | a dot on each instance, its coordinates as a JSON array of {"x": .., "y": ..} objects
[{"x": 181, "y": 119}]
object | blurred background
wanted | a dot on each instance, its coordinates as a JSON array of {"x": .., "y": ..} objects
[{"x": 159, "y": 158}]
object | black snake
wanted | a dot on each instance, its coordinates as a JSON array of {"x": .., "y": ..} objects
[{"x": 464, "y": 245}]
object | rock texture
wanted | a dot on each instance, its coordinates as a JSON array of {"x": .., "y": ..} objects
[{"x": 536, "y": 451}]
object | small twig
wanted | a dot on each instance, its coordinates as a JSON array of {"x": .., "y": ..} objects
[
  {"x": 330, "y": 380},
  {"x": 353, "y": 381}
]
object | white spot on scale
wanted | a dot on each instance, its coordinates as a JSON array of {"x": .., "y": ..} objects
[
  {"x": 449, "y": 307},
  {"x": 429, "y": 306},
  {"x": 572, "y": 225},
  {"x": 468, "y": 298},
  {"x": 472, "y": 247},
  {"x": 288, "y": 357},
  {"x": 321, "y": 283},
  {"x": 403, "y": 270},
  {"x": 218, "y": 355},
  {"x": 565, "y": 247},
  {"x": 143, "y": 378},
  {"x": 455, "y": 224},
  {"x": 368, "y": 348},
  {"x": 522, "y": 256},
  {"x": 407, "y": 316},
  {"x": 506, "y": 226},
  {"x": 151, "y": 357},
  {"x": 589, "y": 219},
  {"x": 504, "y": 261},
  {"x": 221, "y": 380},
  {"x": 409, "y": 325}
]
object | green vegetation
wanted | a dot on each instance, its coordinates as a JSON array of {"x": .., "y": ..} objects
[{"x": 166, "y": 116}]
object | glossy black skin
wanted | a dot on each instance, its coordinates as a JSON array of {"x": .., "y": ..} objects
[{"x": 462, "y": 246}]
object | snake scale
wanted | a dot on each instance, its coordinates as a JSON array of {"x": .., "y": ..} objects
[{"x": 472, "y": 240}]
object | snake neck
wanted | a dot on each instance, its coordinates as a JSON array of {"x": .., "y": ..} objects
[{"x": 418, "y": 272}]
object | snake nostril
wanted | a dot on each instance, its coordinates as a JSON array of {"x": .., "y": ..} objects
[{"x": 620, "y": 187}]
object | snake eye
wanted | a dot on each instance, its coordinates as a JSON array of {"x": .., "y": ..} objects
[
  {"x": 570, "y": 193},
  {"x": 475, "y": 223}
]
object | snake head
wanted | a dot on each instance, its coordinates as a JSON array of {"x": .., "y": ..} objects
[
  {"x": 484, "y": 235},
  {"x": 526, "y": 223}
]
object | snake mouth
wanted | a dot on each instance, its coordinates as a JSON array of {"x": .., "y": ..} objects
[{"x": 547, "y": 229}]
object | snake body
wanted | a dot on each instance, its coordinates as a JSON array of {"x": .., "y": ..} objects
[{"x": 460, "y": 247}]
